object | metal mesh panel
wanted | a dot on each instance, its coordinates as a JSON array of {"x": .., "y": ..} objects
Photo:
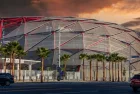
[
  {"x": 69, "y": 40},
  {"x": 33, "y": 25},
  {"x": 136, "y": 46},
  {"x": 60, "y": 24},
  {"x": 123, "y": 37},
  {"x": 134, "y": 34},
  {"x": 116, "y": 45},
  {"x": 119, "y": 27},
  {"x": 16, "y": 32},
  {"x": 94, "y": 42},
  {"x": 98, "y": 31},
  {"x": 75, "y": 27},
  {"x": 32, "y": 40},
  {"x": 112, "y": 31},
  {"x": 86, "y": 26}
]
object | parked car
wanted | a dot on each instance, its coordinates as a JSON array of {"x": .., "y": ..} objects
[
  {"x": 135, "y": 82},
  {"x": 6, "y": 79}
]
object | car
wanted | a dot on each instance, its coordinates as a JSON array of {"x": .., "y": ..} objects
[
  {"x": 135, "y": 82},
  {"x": 6, "y": 79}
]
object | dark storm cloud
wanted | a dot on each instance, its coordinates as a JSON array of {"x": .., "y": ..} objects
[
  {"x": 131, "y": 23},
  {"x": 71, "y": 7},
  {"x": 135, "y": 22},
  {"x": 52, "y": 7},
  {"x": 17, "y": 8}
]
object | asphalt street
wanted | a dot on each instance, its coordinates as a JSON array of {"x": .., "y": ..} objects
[{"x": 68, "y": 88}]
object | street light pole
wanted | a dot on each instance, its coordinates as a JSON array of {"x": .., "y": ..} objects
[
  {"x": 129, "y": 61},
  {"x": 59, "y": 35}
]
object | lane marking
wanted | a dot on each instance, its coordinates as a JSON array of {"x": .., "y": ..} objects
[{"x": 37, "y": 89}]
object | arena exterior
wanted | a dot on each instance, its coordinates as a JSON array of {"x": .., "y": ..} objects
[{"x": 78, "y": 35}]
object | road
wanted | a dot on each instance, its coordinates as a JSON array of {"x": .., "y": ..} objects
[{"x": 68, "y": 88}]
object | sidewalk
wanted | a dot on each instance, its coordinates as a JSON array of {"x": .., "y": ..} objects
[{"x": 38, "y": 81}]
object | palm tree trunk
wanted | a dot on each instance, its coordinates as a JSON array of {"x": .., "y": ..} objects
[
  {"x": 103, "y": 71},
  {"x": 109, "y": 73},
  {"x": 112, "y": 72},
  {"x": 121, "y": 72},
  {"x": 5, "y": 64},
  {"x": 19, "y": 68},
  {"x": 118, "y": 73},
  {"x": 42, "y": 69},
  {"x": 90, "y": 71},
  {"x": 13, "y": 65},
  {"x": 96, "y": 71},
  {"x": 83, "y": 70},
  {"x": 115, "y": 72}
]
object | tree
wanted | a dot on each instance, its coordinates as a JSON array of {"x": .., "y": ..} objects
[
  {"x": 64, "y": 58},
  {"x": 20, "y": 54},
  {"x": 12, "y": 48},
  {"x": 119, "y": 59},
  {"x": 90, "y": 58},
  {"x": 113, "y": 59},
  {"x": 83, "y": 57},
  {"x": 42, "y": 53},
  {"x": 108, "y": 59},
  {"x": 98, "y": 59},
  {"x": 103, "y": 58},
  {"x": 5, "y": 53}
]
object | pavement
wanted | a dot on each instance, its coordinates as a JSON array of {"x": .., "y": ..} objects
[{"x": 68, "y": 88}]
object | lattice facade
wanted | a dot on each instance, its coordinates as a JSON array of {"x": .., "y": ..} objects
[{"x": 77, "y": 36}]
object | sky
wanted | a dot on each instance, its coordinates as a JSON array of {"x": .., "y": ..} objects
[{"x": 125, "y": 12}]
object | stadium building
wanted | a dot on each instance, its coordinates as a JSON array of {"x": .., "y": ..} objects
[{"x": 77, "y": 35}]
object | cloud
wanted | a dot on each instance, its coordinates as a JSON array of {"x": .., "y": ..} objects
[
  {"x": 52, "y": 7},
  {"x": 131, "y": 23},
  {"x": 70, "y": 7},
  {"x": 108, "y": 10},
  {"x": 134, "y": 24},
  {"x": 128, "y": 5},
  {"x": 17, "y": 8}
]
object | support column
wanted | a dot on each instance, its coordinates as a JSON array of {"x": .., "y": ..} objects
[
  {"x": 30, "y": 70},
  {"x": 3, "y": 67},
  {"x": 17, "y": 71}
]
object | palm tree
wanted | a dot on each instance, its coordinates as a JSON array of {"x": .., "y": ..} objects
[
  {"x": 4, "y": 52},
  {"x": 90, "y": 58},
  {"x": 64, "y": 58},
  {"x": 12, "y": 48},
  {"x": 115, "y": 62},
  {"x": 108, "y": 59},
  {"x": 20, "y": 54},
  {"x": 113, "y": 59},
  {"x": 118, "y": 64},
  {"x": 98, "y": 59},
  {"x": 42, "y": 53},
  {"x": 103, "y": 58},
  {"x": 83, "y": 57}
]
